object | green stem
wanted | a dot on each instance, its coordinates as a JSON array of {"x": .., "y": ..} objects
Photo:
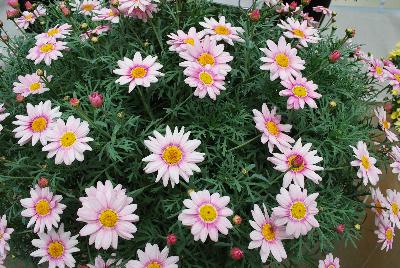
[
  {"x": 146, "y": 105},
  {"x": 157, "y": 35},
  {"x": 90, "y": 121},
  {"x": 244, "y": 144}
]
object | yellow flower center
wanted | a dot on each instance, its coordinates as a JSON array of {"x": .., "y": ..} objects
[
  {"x": 43, "y": 207},
  {"x": 68, "y": 139},
  {"x": 272, "y": 128},
  {"x": 206, "y": 58},
  {"x": 395, "y": 208},
  {"x": 296, "y": 163},
  {"x": 331, "y": 266},
  {"x": 189, "y": 41},
  {"x": 397, "y": 76},
  {"x": 153, "y": 264},
  {"x": 108, "y": 218},
  {"x": 389, "y": 234},
  {"x": 29, "y": 16},
  {"x": 35, "y": 86},
  {"x": 282, "y": 60},
  {"x": 221, "y": 30},
  {"x": 46, "y": 48},
  {"x": 172, "y": 155},
  {"x": 111, "y": 13},
  {"x": 268, "y": 232},
  {"x": 378, "y": 208},
  {"x": 298, "y": 210},
  {"x": 138, "y": 72},
  {"x": 379, "y": 70},
  {"x": 208, "y": 213},
  {"x": 87, "y": 7},
  {"x": 206, "y": 78},
  {"x": 1, "y": 236},
  {"x": 298, "y": 33},
  {"x": 53, "y": 32},
  {"x": 55, "y": 249},
  {"x": 39, "y": 124},
  {"x": 385, "y": 124},
  {"x": 299, "y": 91},
  {"x": 365, "y": 162}
]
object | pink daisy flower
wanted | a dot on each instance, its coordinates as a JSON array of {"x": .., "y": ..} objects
[
  {"x": 46, "y": 51},
  {"x": 180, "y": 40},
  {"x": 378, "y": 204},
  {"x": 56, "y": 248},
  {"x": 172, "y": 156},
  {"x": 267, "y": 235},
  {"x": 207, "y": 52},
  {"x": 269, "y": 123},
  {"x": 85, "y": 7},
  {"x": 220, "y": 30},
  {"x": 385, "y": 233},
  {"x": 393, "y": 204},
  {"x": 43, "y": 208},
  {"x": 108, "y": 14},
  {"x": 138, "y": 71},
  {"x": 57, "y": 32},
  {"x": 100, "y": 263},
  {"x": 396, "y": 164},
  {"x": 377, "y": 69},
  {"x": 297, "y": 162},
  {"x": 205, "y": 79},
  {"x": 5, "y": 234},
  {"x": 286, "y": 8},
  {"x": 99, "y": 30},
  {"x": 367, "y": 171},
  {"x": 329, "y": 262},
  {"x": 130, "y": 5},
  {"x": 393, "y": 76},
  {"x": 36, "y": 124},
  {"x": 323, "y": 10},
  {"x": 384, "y": 124},
  {"x": 68, "y": 141},
  {"x": 27, "y": 18},
  {"x": 300, "y": 92},
  {"x": 301, "y": 31},
  {"x": 207, "y": 215},
  {"x": 30, "y": 84},
  {"x": 3, "y": 115},
  {"x": 143, "y": 15},
  {"x": 152, "y": 257},
  {"x": 40, "y": 11},
  {"x": 108, "y": 214},
  {"x": 281, "y": 60}
]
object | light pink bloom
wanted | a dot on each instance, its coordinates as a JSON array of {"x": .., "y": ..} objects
[
  {"x": 40, "y": 11},
  {"x": 3, "y": 115},
  {"x": 46, "y": 51},
  {"x": 380, "y": 113},
  {"x": 323, "y": 10},
  {"x": 393, "y": 204},
  {"x": 385, "y": 233},
  {"x": 30, "y": 84},
  {"x": 377, "y": 69},
  {"x": 393, "y": 76},
  {"x": 130, "y": 5},
  {"x": 56, "y": 248},
  {"x": 68, "y": 141},
  {"x": 85, "y": 7},
  {"x": 267, "y": 235},
  {"x": 329, "y": 262},
  {"x": 366, "y": 163},
  {"x": 2, "y": 260},
  {"x": 5, "y": 234},
  {"x": 379, "y": 204},
  {"x": 297, "y": 162},
  {"x": 286, "y": 8},
  {"x": 27, "y": 18},
  {"x": 207, "y": 215},
  {"x": 108, "y": 214},
  {"x": 310, "y": 20},
  {"x": 297, "y": 210},
  {"x": 207, "y": 52},
  {"x": 300, "y": 92},
  {"x": 271, "y": 3},
  {"x": 57, "y": 32},
  {"x": 221, "y": 30},
  {"x": 140, "y": 14},
  {"x": 152, "y": 257},
  {"x": 36, "y": 125},
  {"x": 108, "y": 14},
  {"x": 100, "y": 263},
  {"x": 172, "y": 156},
  {"x": 43, "y": 208},
  {"x": 180, "y": 40},
  {"x": 99, "y": 30},
  {"x": 138, "y": 71},
  {"x": 301, "y": 31},
  {"x": 396, "y": 164},
  {"x": 281, "y": 60},
  {"x": 205, "y": 79},
  {"x": 273, "y": 132}
]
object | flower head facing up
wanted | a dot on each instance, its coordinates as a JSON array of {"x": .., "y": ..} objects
[
  {"x": 43, "y": 208},
  {"x": 138, "y": 71},
  {"x": 379, "y": 204},
  {"x": 273, "y": 132},
  {"x": 172, "y": 156},
  {"x": 56, "y": 248},
  {"x": 221, "y": 30},
  {"x": 3, "y": 115},
  {"x": 377, "y": 69},
  {"x": 108, "y": 213},
  {"x": 46, "y": 51},
  {"x": 393, "y": 76},
  {"x": 5, "y": 234},
  {"x": 36, "y": 125},
  {"x": 27, "y": 18},
  {"x": 57, "y": 32},
  {"x": 267, "y": 235},
  {"x": 152, "y": 257},
  {"x": 68, "y": 141},
  {"x": 281, "y": 60},
  {"x": 393, "y": 204},
  {"x": 329, "y": 262},
  {"x": 207, "y": 215},
  {"x": 180, "y": 40},
  {"x": 297, "y": 210},
  {"x": 85, "y": 7},
  {"x": 297, "y": 162},
  {"x": 30, "y": 84},
  {"x": 299, "y": 30},
  {"x": 384, "y": 124},
  {"x": 366, "y": 163},
  {"x": 385, "y": 233},
  {"x": 300, "y": 92},
  {"x": 107, "y": 14}
]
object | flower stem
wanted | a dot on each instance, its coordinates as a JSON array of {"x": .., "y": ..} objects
[
  {"x": 146, "y": 105},
  {"x": 82, "y": 114},
  {"x": 245, "y": 143}
]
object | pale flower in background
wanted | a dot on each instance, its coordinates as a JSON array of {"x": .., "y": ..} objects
[{"x": 366, "y": 163}]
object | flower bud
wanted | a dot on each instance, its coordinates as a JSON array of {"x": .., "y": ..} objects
[
  {"x": 255, "y": 15},
  {"x": 340, "y": 228},
  {"x": 171, "y": 239},
  {"x": 94, "y": 39},
  {"x": 84, "y": 25},
  {"x": 64, "y": 9},
  {"x": 237, "y": 220},
  {"x": 39, "y": 72},
  {"x": 28, "y": 5},
  {"x": 74, "y": 102},
  {"x": 120, "y": 114},
  {"x": 19, "y": 98},
  {"x": 43, "y": 182},
  {"x": 190, "y": 191},
  {"x": 293, "y": 5},
  {"x": 4, "y": 38},
  {"x": 334, "y": 56},
  {"x": 12, "y": 13},
  {"x": 96, "y": 99},
  {"x": 305, "y": 2},
  {"x": 350, "y": 33},
  {"x": 357, "y": 226},
  {"x": 388, "y": 107},
  {"x": 334, "y": 14},
  {"x": 13, "y": 3},
  {"x": 236, "y": 253},
  {"x": 332, "y": 104}
]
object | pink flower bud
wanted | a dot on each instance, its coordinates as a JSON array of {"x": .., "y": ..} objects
[
  {"x": 236, "y": 253},
  {"x": 340, "y": 228},
  {"x": 43, "y": 182},
  {"x": 96, "y": 99},
  {"x": 28, "y": 5},
  {"x": 237, "y": 220},
  {"x": 255, "y": 15},
  {"x": 19, "y": 98},
  {"x": 74, "y": 102},
  {"x": 13, "y": 3},
  {"x": 64, "y": 9},
  {"x": 171, "y": 239},
  {"x": 334, "y": 56},
  {"x": 388, "y": 107},
  {"x": 12, "y": 13},
  {"x": 293, "y": 5}
]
